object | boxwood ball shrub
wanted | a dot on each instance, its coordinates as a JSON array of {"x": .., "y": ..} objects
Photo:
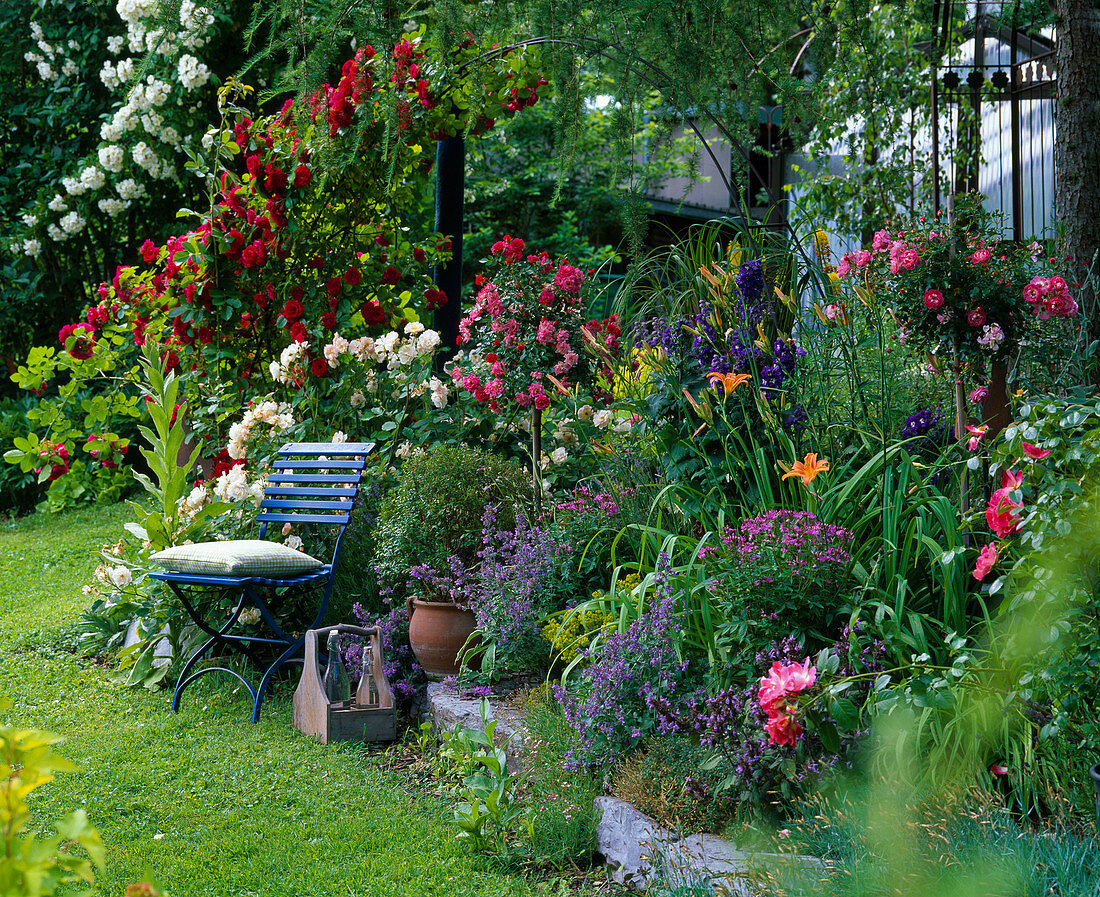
[{"x": 435, "y": 511}]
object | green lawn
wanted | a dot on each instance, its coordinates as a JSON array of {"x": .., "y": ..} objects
[{"x": 203, "y": 801}]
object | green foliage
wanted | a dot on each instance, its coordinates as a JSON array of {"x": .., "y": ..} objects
[
  {"x": 491, "y": 816},
  {"x": 31, "y": 866},
  {"x": 435, "y": 509}
]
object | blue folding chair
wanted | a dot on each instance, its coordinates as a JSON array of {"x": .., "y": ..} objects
[{"x": 311, "y": 483}]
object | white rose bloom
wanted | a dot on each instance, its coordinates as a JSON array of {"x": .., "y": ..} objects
[
  {"x": 120, "y": 576},
  {"x": 115, "y": 43},
  {"x": 57, "y": 204},
  {"x": 208, "y": 139},
  {"x": 440, "y": 392},
  {"x": 69, "y": 68},
  {"x": 294, "y": 543},
  {"x": 621, "y": 426},
  {"x": 585, "y": 412},
  {"x": 72, "y": 186},
  {"x": 192, "y": 73},
  {"x": 388, "y": 342},
  {"x": 275, "y": 370},
  {"x": 339, "y": 437},
  {"x": 404, "y": 450},
  {"x": 358, "y": 399},
  {"x": 109, "y": 76},
  {"x": 406, "y": 354},
  {"x": 57, "y": 234},
  {"x": 72, "y": 223},
  {"x": 130, "y": 189},
  {"x": 428, "y": 342},
  {"x": 559, "y": 455},
  {"x": 413, "y": 328},
  {"x": 171, "y": 136},
  {"x": 113, "y": 207},
  {"x": 46, "y": 72},
  {"x": 145, "y": 156},
  {"x": 124, "y": 71},
  {"x": 112, "y": 157},
  {"x": 92, "y": 178},
  {"x": 601, "y": 418},
  {"x": 36, "y": 31},
  {"x": 30, "y": 220},
  {"x": 370, "y": 382},
  {"x": 32, "y": 248}
]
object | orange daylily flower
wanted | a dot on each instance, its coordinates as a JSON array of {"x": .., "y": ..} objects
[
  {"x": 728, "y": 382},
  {"x": 806, "y": 469}
]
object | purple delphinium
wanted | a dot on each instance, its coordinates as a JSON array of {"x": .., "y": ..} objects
[
  {"x": 610, "y": 706},
  {"x": 921, "y": 423}
]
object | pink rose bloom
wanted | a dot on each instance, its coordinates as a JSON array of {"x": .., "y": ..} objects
[
  {"x": 547, "y": 331},
  {"x": 978, "y": 395},
  {"x": 783, "y": 729},
  {"x": 976, "y": 434},
  {"x": 863, "y": 259},
  {"x": 981, "y": 256},
  {"x": 471, "y": 382},
  {"x": 542, "y": 402},
  {"x": 975, "y": 317},
  {"x": 1034, "y": 452},
  {"x": 522, "y": 399},
  {"x": 987, "y": 557},
  {"x": 495, "y": 389},
  {"x": 1002, "y": 513},
  {"x": 1012, "y": 479},
  {"x": 895, "y": 265},
  {"x": 568, "y": 279},
  {"x": 844, "y": 268},
  {"x": 1033, "y": 292},
  {"x": 1056, "y": 284},
  {"x": 546, "y": 297},
  {"x": 944, "y": 316},
  {"x": 910, "y": 259},
  {"x": 831, "y": 312},
  {"x": 933, "y": 299},
  {"x": 881, "y": 241},
  {"x": 783, "y": 681},
  {"x": 1063, "y": 306}
]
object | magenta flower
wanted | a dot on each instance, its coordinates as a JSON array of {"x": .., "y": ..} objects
[{"x": 987, "y": 558}]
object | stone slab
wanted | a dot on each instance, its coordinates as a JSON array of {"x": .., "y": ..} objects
[{"x": 447, "y": 709}]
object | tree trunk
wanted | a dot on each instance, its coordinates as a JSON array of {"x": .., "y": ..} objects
[{"x": 1076, "y": 148}]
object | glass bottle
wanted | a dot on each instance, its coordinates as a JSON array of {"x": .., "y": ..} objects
[
  {"x": 370, "y": 692},
  {"x": 336, "y": 681}
]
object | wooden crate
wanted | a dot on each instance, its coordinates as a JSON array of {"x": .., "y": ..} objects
[{"x": 363, "y": 718}]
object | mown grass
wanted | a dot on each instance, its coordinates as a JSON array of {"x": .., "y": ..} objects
[{"x": 202, "y": 801}]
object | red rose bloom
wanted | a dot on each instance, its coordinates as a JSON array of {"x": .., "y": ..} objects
[
  {"x": 353, "y": 276},
  {"x": 319, "y": 367},
  {"x": 303, "y": 174},
  {"x": 373, "y": 313},
  {"x": 332, "y": 285},
  {"x": 298, "y": 332},
  {"x": 419, "y": 256},
  {"x": 391, "y": 276},
  {"x": 328, "y": 320},
  {"x": 293, "y": 310}
]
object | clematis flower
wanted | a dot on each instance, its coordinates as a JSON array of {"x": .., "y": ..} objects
[
  {"x": 1034, "y": 452},
  {"x": 806, "y": 469},
  {"x": 987, "y": 558}
]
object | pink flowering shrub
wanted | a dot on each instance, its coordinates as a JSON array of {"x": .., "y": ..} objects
[
  {"x": 959, "y": 280},
  {"x": 524, "y": 328},
  {"x": 780, "y": 572}
]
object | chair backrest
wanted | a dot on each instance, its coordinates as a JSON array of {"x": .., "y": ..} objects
[{"x": 315, "y": 483}]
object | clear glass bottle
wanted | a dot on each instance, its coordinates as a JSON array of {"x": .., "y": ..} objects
[
  {"x": 336, "y": 681},
  {"x": 370, "y": 692}
]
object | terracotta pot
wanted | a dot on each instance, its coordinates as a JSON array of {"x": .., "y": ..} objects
[{"x": 437, "y": 632}]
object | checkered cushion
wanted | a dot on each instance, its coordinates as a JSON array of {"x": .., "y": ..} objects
[{"x": 237, "y": 557}]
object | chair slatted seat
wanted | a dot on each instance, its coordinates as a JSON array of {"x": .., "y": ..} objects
[{"x": 311, "y": 483}]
